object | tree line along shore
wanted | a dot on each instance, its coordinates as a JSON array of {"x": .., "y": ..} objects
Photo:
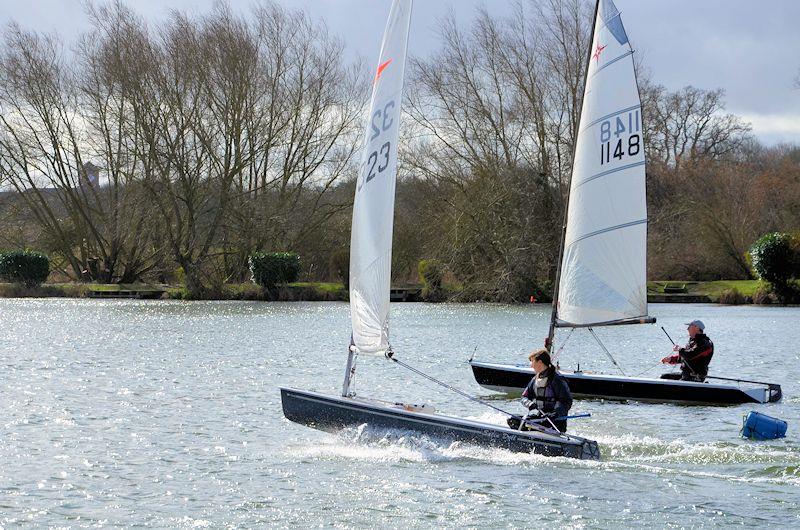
[{"x": 170, "y": 154}]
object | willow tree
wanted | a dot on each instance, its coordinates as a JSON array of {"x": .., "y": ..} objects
[
  {"x": 60, "y": 121},
  {"x": 300, "y": 140}
]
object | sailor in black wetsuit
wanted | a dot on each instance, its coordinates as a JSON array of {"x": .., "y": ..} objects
[
  {"x": 547, "y": 395},
  {"x": 694, "y": 357}
]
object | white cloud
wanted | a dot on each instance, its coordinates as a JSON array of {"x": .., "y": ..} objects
[{"x": 779, "y": 126}]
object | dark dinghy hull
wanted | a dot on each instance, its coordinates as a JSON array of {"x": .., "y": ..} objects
[
  {"x": 332, "y": 414},
  {"x": 513, "y": 379}
]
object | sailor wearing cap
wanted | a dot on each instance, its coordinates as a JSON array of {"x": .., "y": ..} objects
[{"x": 694, "y": 357}]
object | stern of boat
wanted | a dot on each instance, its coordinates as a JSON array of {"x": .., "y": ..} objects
[
  {"x": 590, "y": 450},
  {"x": 509, "y": 379},
  {"x": 585, "y": 450}
]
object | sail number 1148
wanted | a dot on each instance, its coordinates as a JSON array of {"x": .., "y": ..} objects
[{"x": 620, "y": 138}]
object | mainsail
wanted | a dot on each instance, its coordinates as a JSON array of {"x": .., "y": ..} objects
[
  {"x": 603, "y": 267},
  {"x": 373, "y": 208}
]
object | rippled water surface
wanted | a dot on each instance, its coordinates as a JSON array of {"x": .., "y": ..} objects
[{"x": 167, "y": 414}]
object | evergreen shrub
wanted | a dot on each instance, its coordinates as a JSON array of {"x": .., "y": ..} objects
[
  {"x": 775, "y": 258},
  {"x": 268, "y": 269},
  {"x": 26, "y": 267}
]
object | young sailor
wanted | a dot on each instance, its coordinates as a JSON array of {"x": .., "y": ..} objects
[
  {"x": 694, "y": 357},
  {"x": 547, "y": 395}
]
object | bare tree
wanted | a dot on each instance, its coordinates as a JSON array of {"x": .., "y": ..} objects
[
  {"x": 217, "y": 135},
  {"x": 238, "y": 128},
  {"x": 302, "y": 139},
  {"x": 496, "y": 112},
  {"x": 57, "y": 118},
  {"x": 558, "y": 31},
  {"x": 689, "y": 124},
  {"x": 190, "y": 102},
  {"x": 698, "y": 194}
]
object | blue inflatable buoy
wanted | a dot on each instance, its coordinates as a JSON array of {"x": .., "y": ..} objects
[{"x": 757, "y": 426}]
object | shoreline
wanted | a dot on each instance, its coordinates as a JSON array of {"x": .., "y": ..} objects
[{"x": 658, "y": 292}]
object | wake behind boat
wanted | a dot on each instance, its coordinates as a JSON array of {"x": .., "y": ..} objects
[
  {"x": 513, "y": 379},
  {"x": 602, "y": 268},
  {"x": 370, "y": 274}
]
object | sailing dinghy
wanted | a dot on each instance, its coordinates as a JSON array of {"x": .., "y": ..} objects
[
  {"x": 370, "y": 272},
  {"x": 513, "y": 379},
  {"x": 601, "y": 279}
]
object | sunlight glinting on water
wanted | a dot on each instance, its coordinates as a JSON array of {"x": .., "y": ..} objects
[{"x": 168, "y": 414}]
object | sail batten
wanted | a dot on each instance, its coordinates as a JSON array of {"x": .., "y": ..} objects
[
  {"x": 615, "y": 113},
  {"x": 603, "y": 264},
  {"x": 373, "y": 206},
  {"x": 612, "y": 61},
  {"x": 608, "y": 229},
  {"x": 609, "y": 172}
]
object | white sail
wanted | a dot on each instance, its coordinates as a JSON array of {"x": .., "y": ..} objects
[
  {"x": 373, "y": 208},
  {"x": 603, "y": 268}
]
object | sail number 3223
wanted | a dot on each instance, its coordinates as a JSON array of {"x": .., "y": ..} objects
[
  {"x": 619, "y": 137},
  {"x": 378, "y": 160}
]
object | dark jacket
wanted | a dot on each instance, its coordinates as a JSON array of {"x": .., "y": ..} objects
[
  {"x": 557, "y": 397},
  {"x": 694, "y": 358}
]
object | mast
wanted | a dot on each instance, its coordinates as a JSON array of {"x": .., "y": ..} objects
[
  {"x": 349, "y": 370},
  {"x": 551, "y": 331}
]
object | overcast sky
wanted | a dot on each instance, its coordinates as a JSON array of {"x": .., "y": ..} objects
[{"x": 750, "y": 49}]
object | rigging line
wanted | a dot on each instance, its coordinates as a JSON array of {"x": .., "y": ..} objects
[
  {"x": 647, "y": 370},
  {"x": 606, "y": 350},
  {"x": 563, "y": 344},
  {"x": 442, "y": 383}
]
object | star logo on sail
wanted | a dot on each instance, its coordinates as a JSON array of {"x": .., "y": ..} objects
[
  {"x": 381, "y": 68},
  {"x": 597, "y": 51}
]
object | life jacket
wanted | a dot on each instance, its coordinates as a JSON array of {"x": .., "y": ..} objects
[
  {"x": 696, "y": 356},
  {"x": 544, "y": 396}
]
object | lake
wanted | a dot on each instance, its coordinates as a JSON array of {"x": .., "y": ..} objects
[{"x": 167, "y": 414}]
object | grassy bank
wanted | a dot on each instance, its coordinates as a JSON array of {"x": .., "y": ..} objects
[
  {"x": 293, "y": 292},
  {"x": 714, "y": 291},
  {"x": 311, "y": 291},
  {"x": 47, "y": 290}
]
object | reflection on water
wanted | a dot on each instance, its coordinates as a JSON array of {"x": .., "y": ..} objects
[{"x": 167, "y": 413}]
